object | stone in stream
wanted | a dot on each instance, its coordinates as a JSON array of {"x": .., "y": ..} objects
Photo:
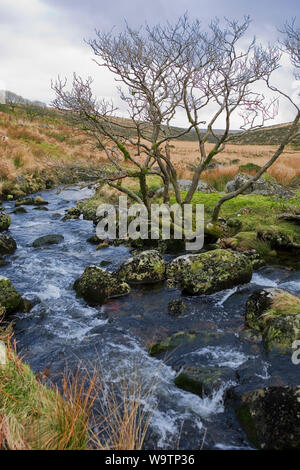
[
  {"x": 209, "y": 272},
  {"x": 94, "y": 240},
  {"x": 176, "y": 308},
  {"x": 72, "y": 214},
  {"x": 203, "y": 381},
  {"x": 30, "y": 201},
  {"x": 271, "y": 417},
  {"x": 144, "y": 268},
  {"x": 274, "y": 313},
  {"x": 3, "y": 262},
  {"x": 5, "y": 221},
  {"x": 47, "y": 240},
  {"x": 10, "y": 298},
  {"x": 19, "y": 210},
  {"x": 7, "y": 244},
  {"x": 41, "y": 208},
  {"x": 96, "y": 286}
]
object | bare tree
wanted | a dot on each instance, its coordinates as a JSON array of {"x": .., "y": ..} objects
[
  {"x": 161, "y": 70},
  {"x": 291, "y": 46}
]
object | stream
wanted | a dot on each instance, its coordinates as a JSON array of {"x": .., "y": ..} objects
[{"x": 62, "y": 331}]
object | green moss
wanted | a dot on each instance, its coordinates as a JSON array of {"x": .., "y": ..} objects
[
  {"x": 245, "y": 418},
  {"x": 10, "y": 299},
  {"x": 253, "y": 210},
  {"x": 5, "y": 221}
]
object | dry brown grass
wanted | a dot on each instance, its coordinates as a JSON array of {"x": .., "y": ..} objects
[
  {"x": 32, "y": 147},
  {"x": 35, "y": 415},
  {"x": 124, "y": 416}
]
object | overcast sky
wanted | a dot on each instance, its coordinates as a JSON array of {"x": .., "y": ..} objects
[{"x": 40, "y": 39}]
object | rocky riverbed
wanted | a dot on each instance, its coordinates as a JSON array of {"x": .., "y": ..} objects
[{"x": 191, "y": 350}]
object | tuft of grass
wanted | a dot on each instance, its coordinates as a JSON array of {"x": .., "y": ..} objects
[
  {"x": 36, "y": 416},
  {"x": 124, "y": 416}
]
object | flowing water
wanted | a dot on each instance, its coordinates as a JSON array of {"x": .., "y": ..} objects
[{"x": 62, "y": 331}]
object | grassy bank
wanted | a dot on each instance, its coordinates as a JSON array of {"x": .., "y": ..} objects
[{"x": 36, "y": 416}]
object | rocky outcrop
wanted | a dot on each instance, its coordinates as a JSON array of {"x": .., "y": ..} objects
[
  {"x": 48, "y": 240},
  {"x": 7, "y": 244},
  {"x": 184, "y": 185},
  {"x": 208, "y": 272},
  {"x": 265, "y": 185},
  {"x": 5, "y": 221},
  {"x": 271, "y": 417},
  {"x": 96, "y": 286},
  {"x": 145, "y": 268},
  {"x": 10, "y": 299},
  {"x": 274, "y": 313}
]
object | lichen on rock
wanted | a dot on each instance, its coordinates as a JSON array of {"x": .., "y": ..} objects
[
  {"x": 96, "y": 286},
  {"x": 144, "y": 268},
  {"x": 209, "y": 272},
  {"x": 275, "y": 313}
]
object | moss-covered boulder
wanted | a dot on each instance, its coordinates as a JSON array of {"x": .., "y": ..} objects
[
  {"x": 209, "y": 272},
  {"x": 7, "y": 244},
  {"x": 10, "y": 298},
  {"x": 96, "y": 286},
  {"x": 202, "y": 380},
  {"x": 5, "y": 221},
  {"x": 145, "y": 268},
  {"x": 275, "y": 313},
  {"x": 72, "y": 214},
  {"x": 271, "y": 417}
]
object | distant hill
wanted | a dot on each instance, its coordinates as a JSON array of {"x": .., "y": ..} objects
[{"x": 271, "y": 135}]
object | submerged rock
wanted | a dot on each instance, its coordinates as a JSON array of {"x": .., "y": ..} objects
[
  {"x": 19, "y": 210},
  {"x": 275, "y": 313},
  {"x": 10, "y": 298},
  {"x": 7, "y": 245},
  {"x": 94, "y": 240},
  {"x": 72, "y": 214},
  {"x": 271, "y": 417},
  {"x": 96, "y": 286},
  {"x": 145, "y": 268},
  {"x": 265, "y": 185},
  {"x": 171, "y": 342},
  {"x": 209, "y": 272},
  {"x": 5, "y": 221},
  {"x": 176, "y": 308},
  {"x": 48, "y": 240},
  {"x": 203, "y": 380}
]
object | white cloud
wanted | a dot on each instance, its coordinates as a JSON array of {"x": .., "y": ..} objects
[{"x": 42, "y": 39}]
